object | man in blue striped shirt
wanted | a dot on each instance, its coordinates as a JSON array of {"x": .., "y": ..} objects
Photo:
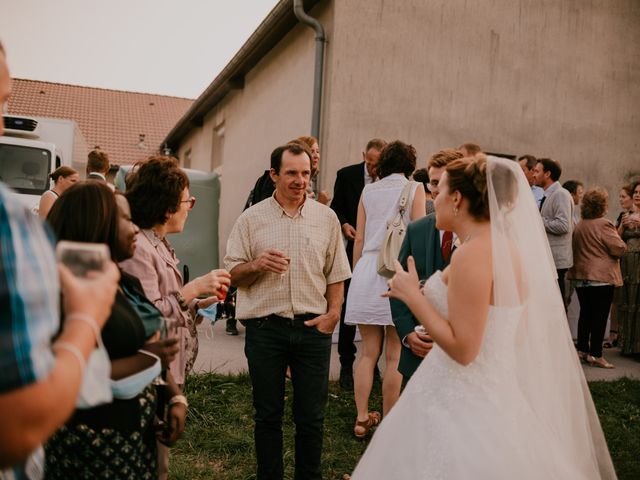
[{"x": 39, "y": 381}]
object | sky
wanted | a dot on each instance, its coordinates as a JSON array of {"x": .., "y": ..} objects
[{"x": 167, "y": 47}]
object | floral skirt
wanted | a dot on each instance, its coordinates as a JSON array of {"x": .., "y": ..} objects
[
  {"x": 629, "y": 304},
  {"x": 80, "y": 452}
]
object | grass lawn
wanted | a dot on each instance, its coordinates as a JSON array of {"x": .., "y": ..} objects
[{"x": 218, "y": 442}]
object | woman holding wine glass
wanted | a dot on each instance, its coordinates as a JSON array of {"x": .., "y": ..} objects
[{"x": 158, "y": 193}]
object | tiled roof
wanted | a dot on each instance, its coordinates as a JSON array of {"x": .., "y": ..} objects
[{"x": 110, "y": 119}]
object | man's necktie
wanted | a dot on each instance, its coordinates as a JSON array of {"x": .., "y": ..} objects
[
  {"x": 542, "y": 201},
  {"x": 447, "y": 244}
]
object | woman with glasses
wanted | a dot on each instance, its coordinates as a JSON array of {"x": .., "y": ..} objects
[{"x": 158, "y": 193}]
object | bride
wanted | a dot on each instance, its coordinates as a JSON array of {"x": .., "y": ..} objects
[{"x": 502, "y": 394}]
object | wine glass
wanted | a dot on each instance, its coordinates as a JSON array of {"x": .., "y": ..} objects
[{"x": 168, "y": 329}]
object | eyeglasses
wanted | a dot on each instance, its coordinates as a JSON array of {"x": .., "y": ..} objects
[
  {"x": 191, "y": 202},
  {"x": 432, "y": 186}
]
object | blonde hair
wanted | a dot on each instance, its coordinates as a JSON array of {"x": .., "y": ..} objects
[{"x": 443, "y": 158}]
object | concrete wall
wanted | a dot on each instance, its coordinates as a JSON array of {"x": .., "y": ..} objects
[
  {"x": 550, "y": 78},
  {"x": 273, "y": 107}
]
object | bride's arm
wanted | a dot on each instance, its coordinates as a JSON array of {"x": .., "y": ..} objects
[{"x": 468, "y": 296}]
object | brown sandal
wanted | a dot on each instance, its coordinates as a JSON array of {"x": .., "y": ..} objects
[
  {"x": 373, "y": 420},
  {"x": 600, "y": 362}
]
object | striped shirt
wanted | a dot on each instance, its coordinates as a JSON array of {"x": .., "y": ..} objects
[
  {"x": 29, "y": 302},
  {"x": 313, "y": 241}
]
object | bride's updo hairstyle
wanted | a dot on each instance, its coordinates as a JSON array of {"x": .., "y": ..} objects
[{"x": 469, "y": 177}]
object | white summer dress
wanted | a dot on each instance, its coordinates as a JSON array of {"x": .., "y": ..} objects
[{"x": 364, "y": 303}]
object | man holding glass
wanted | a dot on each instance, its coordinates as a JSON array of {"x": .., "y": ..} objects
[{"x": 287, "y": 259}]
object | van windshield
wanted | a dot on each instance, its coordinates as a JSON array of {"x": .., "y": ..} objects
[{"x": 25, "y": 169}]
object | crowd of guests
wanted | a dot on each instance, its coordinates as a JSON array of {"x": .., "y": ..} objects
[{"x": 96, "y": 365}]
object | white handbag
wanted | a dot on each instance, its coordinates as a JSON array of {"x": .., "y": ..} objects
[{"x": 396, "y": 229}]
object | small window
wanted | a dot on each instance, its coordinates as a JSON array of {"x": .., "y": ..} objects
[{"x": 186, "y": 160}]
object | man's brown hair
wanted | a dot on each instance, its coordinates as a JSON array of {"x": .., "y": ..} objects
[
  {"x": 471, "y": 148},
  {"x": 443, "y": 158},
  {"x": 97, "y": 161}
]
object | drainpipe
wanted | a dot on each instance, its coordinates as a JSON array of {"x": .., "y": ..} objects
[{"x": 298, "y": 10}]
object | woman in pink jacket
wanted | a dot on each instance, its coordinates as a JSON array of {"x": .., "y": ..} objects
[
  {"x": 597, "y": 249},
  {"x": 158, "y": 192}
]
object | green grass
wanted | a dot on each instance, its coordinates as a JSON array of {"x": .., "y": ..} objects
[
  {"x": 218, "y": 442},
  {"x": 618, "y": 405}
]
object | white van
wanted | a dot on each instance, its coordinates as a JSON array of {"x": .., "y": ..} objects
[{"x": 32, "y": 147}]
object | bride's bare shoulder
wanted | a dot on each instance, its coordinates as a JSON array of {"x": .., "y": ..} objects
[{"x": 476, "y": 250}]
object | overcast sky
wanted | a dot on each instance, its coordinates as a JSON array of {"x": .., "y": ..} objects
[{"x": 169, "y": 47}]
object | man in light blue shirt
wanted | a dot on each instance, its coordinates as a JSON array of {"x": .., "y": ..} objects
[{"x": 528, "y": 162}]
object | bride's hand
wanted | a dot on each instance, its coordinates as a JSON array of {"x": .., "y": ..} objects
[{"x": 404, "y": 284}]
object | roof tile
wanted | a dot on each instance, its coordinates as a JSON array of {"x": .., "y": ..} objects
[{"x": 110, "y": 119}]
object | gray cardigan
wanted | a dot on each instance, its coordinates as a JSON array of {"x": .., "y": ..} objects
[{"x": 557, "y": 217}]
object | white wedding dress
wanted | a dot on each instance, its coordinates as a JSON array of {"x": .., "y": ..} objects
[
  {"x": 460, "y": 422},
  {"x": 521, "y": 409}
]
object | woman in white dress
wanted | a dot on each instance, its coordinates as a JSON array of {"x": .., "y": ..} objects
[
  {"x": 365, "y": 307},
  {"x": 502, "y": 394}
]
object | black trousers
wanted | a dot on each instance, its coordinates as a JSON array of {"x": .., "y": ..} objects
[
  {"x": 346, "y": 336},
  {"x": 595, "y": 303},
  {"x": 561, "y": 274},
  {"x": 271, "y": 344}
]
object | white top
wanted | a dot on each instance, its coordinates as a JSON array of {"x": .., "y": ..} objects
[{"x": 364, "y": 303}]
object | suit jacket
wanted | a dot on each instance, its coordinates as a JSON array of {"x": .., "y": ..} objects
[
  {"x": 346, "y": 196},
  {"x": 557, "y": 217},
  {"x": 422, "y": 241},
  {"x": 95, "y": 176},
  {"x": 262, "y": 190}
]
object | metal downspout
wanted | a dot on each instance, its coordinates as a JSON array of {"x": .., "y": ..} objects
[{"x": 298, "y": 10}]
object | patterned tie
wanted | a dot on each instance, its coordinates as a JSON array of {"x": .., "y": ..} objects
[{"x": 447, "y": 243}]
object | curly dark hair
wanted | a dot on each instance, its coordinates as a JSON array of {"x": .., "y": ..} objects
[
  {"x": 86, "y": 212},
  {"x": 397, "y": 157},
  {"x": 594, "y": 203},
  {"x": 154, "y": 190}
]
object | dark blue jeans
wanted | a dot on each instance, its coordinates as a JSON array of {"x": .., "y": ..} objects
[{"x": 272, "y": 344}]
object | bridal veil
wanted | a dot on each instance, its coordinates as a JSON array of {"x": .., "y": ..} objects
[{"x": 547, "y": 367}]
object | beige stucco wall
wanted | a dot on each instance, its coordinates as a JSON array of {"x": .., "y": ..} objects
[
  {"x": 550, "y": 78},
  {"x": 274, "y": 106}
]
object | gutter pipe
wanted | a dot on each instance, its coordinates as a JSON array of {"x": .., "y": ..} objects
[{"x": 301, "y": 15}]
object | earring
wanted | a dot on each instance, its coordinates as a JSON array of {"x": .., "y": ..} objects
[{"x": 455, "y": 211}]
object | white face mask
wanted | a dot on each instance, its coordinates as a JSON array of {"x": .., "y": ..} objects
[
  {"x": 131, "y": 386},
  {"x": 95, "y": 389}
]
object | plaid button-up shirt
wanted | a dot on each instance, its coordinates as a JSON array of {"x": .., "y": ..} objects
[
  {"x": 313, "y": 241},
  {"x": 29, "y": 302}
]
